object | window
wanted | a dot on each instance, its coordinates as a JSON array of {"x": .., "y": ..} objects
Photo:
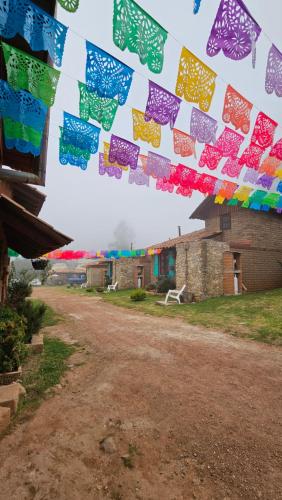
[{"x": 225, "y": 221}]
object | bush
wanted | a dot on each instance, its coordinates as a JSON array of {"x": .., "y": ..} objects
[
  {"x": 12, "y": 334},
  {"x": 18, "y": 291},
  {"x": 151, "y": 287},
  {"x": 165, "y": 284},
  {"x": 138, "y": 295},
  {"x": 34, "y": 313}
]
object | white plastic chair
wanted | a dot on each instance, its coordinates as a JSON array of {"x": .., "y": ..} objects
[
  {"x": 112, "y": 288},
  {"x": 174, "y": 295}
]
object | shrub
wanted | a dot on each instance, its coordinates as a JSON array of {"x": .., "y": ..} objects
[
  {"x": 12, "y": 334},
  {"x": 151, "y": 287},
  {"x": 18, "y": 291},
  {"x": 34, "y": 313},
  {"x": 138, "y": 295},
  {"x": 165, "y": 284}
]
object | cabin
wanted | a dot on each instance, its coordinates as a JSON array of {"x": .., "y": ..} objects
[{"x": 20, "y": 228}]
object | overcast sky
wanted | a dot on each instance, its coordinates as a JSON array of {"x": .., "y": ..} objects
[{"x": 87, "y": 206}]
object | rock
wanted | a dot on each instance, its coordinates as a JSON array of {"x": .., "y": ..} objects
[
  {"x": 10, "y": 396},
  {"x": 108, "y": 445}
]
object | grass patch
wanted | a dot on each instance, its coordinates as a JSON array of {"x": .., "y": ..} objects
[
  {"x": 41, "y": 372},
  {"x": 255, "y": 315}
]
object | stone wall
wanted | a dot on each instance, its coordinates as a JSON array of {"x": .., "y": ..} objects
[
  {"x": 199, "y": 264},
  {"x": 125, "y": 271}
]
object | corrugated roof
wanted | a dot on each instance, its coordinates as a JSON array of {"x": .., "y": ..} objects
[{"x": 185, "y": 238}]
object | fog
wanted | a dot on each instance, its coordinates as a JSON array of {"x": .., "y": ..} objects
[{"x": 90, "y": 208}]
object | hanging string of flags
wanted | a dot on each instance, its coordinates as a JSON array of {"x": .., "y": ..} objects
[
  {"x": 102, "y": 254},
  {"x": 108, "y": 82}
]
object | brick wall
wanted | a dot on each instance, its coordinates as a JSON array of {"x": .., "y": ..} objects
[{"x": 263, "y": 234}]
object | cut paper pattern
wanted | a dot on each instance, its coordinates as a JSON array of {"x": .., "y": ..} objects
[
  {"x": 273, "y": 79},
  {"x": 21, "y": 106},
  {"x": 158, "y": 166},
  {"x": 80, "y": 134},
  {"x": 234, "y": 31},
  {"x": 217, "y": 186},
  {"x": 265, "y": 181},
  {"x": 186, "y": 192},
  {"x": 135, "y": 29},
  {"x": 123, "y": 152},
  {"x": 164, "y": 185},
  {"x": 251, "y": 176},
  {"x": 229, "y": 142},
  {"x": 203, "y": 127},
  {"x": 184, "y": 144},
  {"x": 36, "y": 26},
  {"x": 264, "y": 130},
  {"x": 106, "y": 75},
  {"x": 242, "y": 193},
  {"x": 73, "y": 155},
  {"x": 139, "y": 177},
  {"x": 210, "y": 157},
  {"x": 101, "y": 109},
  {"x": 227, "y": 190},
  {"x": 271, "y": 200},
  {"x": 278, "y": 173},
  {"x": 188, "y": 177},
  {"x": 28, "y": 73},
  {"x": 197, "y": 4},
  {"x": 69, "y": 5},
  {"x": 232, "y": 167},
  {"x": 106, "y": 162},
  {"x": 279, "y": 187},
  {"x": 162, "y": 106},
  {"x": 270, "y": 165},
  {"x": 251, "y": 157},
  {"x": 145, "y": 131},
  {"x": 276, "y": 150},
  {"x": 237, "y": 110},
  {"x": 23, "y": 138},
  {"x": 195, "y": 80},
  {"x": 112, "y": 171},
  {"x": 206, "y": 184},
  {"x": 255, "y": 200}
]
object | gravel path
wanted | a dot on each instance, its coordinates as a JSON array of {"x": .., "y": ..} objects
[{"x": 186, "y": 413}]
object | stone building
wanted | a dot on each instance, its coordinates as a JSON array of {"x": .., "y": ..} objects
[
  {"x": 238, "y": 250},
  {"x": 135, "y": 272}
]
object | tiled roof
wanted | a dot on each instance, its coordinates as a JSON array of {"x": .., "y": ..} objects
[{"x": 185, "y": 238}]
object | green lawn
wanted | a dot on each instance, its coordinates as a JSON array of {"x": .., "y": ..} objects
[{"x": 255, "y": 315}]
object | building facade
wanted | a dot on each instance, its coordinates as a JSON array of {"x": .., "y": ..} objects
[{"x": 255, "y": 235}]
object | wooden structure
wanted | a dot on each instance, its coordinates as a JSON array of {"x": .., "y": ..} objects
[{"x": 20, "y": 204}]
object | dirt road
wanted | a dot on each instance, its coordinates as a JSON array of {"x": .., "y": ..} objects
[{"x": 192, "y": 414}]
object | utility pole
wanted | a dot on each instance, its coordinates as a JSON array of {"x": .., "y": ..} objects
[{"x": 179, "y": 230}]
